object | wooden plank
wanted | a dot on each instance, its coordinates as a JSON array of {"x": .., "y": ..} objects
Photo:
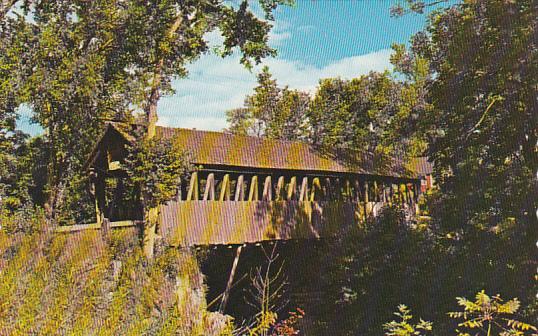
[
  {"x": 225, "y": 188},
  {"x": 267, "y": 190},
  {"x": 303, "y": 195},
  {"x": 291, "y": 188},
  {"x": 253, "y": 193},
  {"x": 209, "y": 192},
  {"x": 358, "y": 192},
  {"x": 348, "y": 191},
  {"x": 124, "y": 223},
  {"x": 376, "y": 192},
  {"x": 280, "y": 189},
  {"x": 384, "y": 193},
  {"x": 193, "y": 194},
  {"x": 316, "y": 189},
  {"x": 240, "y": 189},
  {"x": 229, "y": 284},
  {"x": 249, "y": 222},
  {"x": 78, "y": 227},
  {"x": 401, "y": 192},
  {"x": 367, "y": 206}
]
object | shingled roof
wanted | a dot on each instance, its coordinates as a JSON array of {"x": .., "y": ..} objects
[
  {"x": 217, "y": 148},
  {"x": 421, "y": 166}
]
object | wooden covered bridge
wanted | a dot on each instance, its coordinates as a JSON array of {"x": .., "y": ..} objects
[{"x": 249, "y": 189}]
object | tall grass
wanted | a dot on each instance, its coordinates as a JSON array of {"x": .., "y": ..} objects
[{"x": 87, "y": 284}]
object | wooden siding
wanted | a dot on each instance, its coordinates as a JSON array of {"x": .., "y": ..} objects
[{"x": 211, "y": 222}]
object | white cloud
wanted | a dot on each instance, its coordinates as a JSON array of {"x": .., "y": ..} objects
[
  {"x": 216, "y": 85},
  {"x": 205, "y": 123},
  {"x": 276, "y": 38}
]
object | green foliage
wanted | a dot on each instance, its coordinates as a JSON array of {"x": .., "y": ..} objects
[
  {"x": 156, "y": 167},
  {"x": 482, "y": 136},
  {"x": 403, "y": 7},
  {"x": 491, "y": 315},
  {"x": 77, "y": 63},
  {"x": 271, "y": 111},
  {"x": 375, "y": 112},
  {"x": 404, "y": 327},
  {"x": 80, "y": 284}
]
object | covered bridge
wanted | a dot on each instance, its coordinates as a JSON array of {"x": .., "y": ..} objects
[{"x": 249, "y": 189}]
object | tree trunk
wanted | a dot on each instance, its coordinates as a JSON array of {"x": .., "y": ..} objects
[{"x": 150, "y": 109}]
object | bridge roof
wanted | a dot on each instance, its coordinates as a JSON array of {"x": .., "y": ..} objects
[{"x": 224, "y": 149}]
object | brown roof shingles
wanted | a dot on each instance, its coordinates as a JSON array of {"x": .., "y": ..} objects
[{"x": 216, "y": 148}]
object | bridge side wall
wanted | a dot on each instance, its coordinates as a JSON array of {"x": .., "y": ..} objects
[{"x": 190, "y": 223}]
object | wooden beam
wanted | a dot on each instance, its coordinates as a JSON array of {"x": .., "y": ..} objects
[
  {"x": 209, "y": 192},
  {"x": 100, "y": 201},
  {"x": 328, "y": 190},
  {"x": 225, "y": 188},
  {"x": 315, "y": 185},
  {"x": 253, "y": 193},
  {"x": 366, "y": 200},
  {"x": 383, "y": 192},
  {"x": 193, "y": 193},
  {"x": 78, "y": 227},
  {"x": 280, "y": 189},
  {"x": 358, "y": 193},
  {"x": 226, "y": 294},
  {"x": 240, "y": 189},
  {"x": 401, "y": 193},
  {"x": 376, "y": 192},
  {"x": 149, "y": 232},
  {"x": 267, "y": 190},
  {"x": 179, "y": 196},
  {"x": 303, "y": 194},
  {"x": 348, "y": 191},
  {"x": 291, "y": 188}
]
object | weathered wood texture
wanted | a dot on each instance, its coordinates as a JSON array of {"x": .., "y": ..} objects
[
  {"x": 247, "y": 189},
  {"x": 206, "y": 222}
]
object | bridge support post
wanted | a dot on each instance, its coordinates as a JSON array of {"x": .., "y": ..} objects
[
  {"x": 229, "y": 284},
  {"x": 149, "y": 232},
  {"x": 253, "y": 195}
]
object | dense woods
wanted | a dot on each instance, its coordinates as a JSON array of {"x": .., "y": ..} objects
[{"x": 463, "y": 92}]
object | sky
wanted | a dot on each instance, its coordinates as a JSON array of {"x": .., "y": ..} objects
[{"x": 314, "y": 38}]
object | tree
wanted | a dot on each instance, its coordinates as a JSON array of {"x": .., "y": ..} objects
[
  {"x": 271, "y": 111},
  {"x": 77, "y": 63},
  {"x": 9, "y": 141},
  {"x": 370, "y": 112},
  {"x": 350, "y": 113},
  {"x": 482, "y": 65},
  {"x": 156, "y": 167}
]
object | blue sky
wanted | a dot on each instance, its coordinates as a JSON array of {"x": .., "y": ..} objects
[{"x": 315, "y": 39}]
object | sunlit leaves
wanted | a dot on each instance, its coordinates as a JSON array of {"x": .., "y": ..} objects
[
  {"x": 156, "y": 167},
  {"x": 405, "y": 327},
  {"x": 491, "y": 315}
]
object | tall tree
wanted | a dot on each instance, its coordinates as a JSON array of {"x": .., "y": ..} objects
[
  {"x": 77, "y": 62},
  {"x": 482, "y": 59},
  {"x": 271, "y": 111},
  {"x": 368, "y": 113}
]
